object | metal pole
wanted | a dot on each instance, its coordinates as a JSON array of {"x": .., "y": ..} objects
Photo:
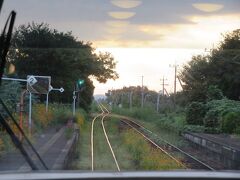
[
  {"x": 14, "y": 79},
  {"x": 30, "y": 113},
  {"x": 74, "y": 103},
  {"x": 142, "y": 93},
  {"x": 21, "y": 110}
]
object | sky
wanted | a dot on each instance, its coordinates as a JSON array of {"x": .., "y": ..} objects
[{"x": 144, "y": 36}]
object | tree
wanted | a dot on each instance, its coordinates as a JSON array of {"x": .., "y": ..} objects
[
  {"x": 221, "y": 69},
  {"x": 48, "y": 52},
  {"x": 194, "y": 75}
]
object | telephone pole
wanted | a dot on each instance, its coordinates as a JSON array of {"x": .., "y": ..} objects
[
  {"x": 163, "y": 84},
  {"x": 163, "y": 89},
  {"x": 175, "y": 81}
]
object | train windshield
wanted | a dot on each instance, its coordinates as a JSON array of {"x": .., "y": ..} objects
[{"x": 120, "y": 85}]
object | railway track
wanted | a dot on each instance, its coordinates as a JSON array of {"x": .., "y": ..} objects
[
  {"x": 166, "y": 147},
  {"x": 103, "y": 115}
]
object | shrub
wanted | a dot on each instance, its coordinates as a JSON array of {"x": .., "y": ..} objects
[
  {"x": 230, "y": 122},
  {"x": 211, "y": 119},
  {"x": 140, "y": 151},
  {"x": 222, "y": 115},
  {"x": 61, "y": 114},
  {"x": 40, "y": 117},
  {"x": 79, "y": 118},
  {"x": 195, "y": 113},
  {"x": 194, "y": 128},
  {"x": 214, "y": 93}
]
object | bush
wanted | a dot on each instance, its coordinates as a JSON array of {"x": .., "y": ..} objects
[
  {"x": 214, "y": 93},
  {"x": 211, "y": 119},
  {"x": 194, "y": 128},
  {"x": 195, "y": 113},
  {"x": 40, "y": 118},
  {"x": 230, "y": 122},
  {"x": 222, "y": 115},
  {"x": 61, "y": 113},
  {"x": 140, "y": 150}
]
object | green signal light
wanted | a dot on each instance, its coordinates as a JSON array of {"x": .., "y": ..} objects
[{"x": 80, "y": 82}]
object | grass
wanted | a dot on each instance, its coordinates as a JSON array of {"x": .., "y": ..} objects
[
  {"x": 167, "y": 126},
  {"x": 103, "y": 157},
  {"x": 83, "y": 161},
  {"x": 57, "y": 116},
  {"x": 147, "y": 157},
  {"x": 124, "y": 157}
]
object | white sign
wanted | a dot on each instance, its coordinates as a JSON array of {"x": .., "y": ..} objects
[
  {"x": 38, "y": 84},
  {"x": 31, "y": 80}
]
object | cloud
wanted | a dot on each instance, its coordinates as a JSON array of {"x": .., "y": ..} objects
[
  {"x": 208, "y": 7},
  {"x": 126, "y": 3},
  {"x": 202, "y": 33},
  {"x": 121, "y": 15}
]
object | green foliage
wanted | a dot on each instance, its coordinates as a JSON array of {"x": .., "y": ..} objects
[
  {"x": 10, "y": 93},
  {"x": 172, "y": 121},
  {"x": 219, "y": 69},
  {"x": 61, "y": 113},
  {"x": 140, "y": 151},
  {"x": 61, "y": 56},
  {"x": 195, "y": 113},
  {"x": 138, "y": 113},
  {"x": 230, "y": 122},
  {"x": 214, "y": 93},
  {"x": 122, "y": 96},
  {"x": 221, "y": 115},
  {"x": 194, "y": 128},
  {"x": 211, "y": 119}
]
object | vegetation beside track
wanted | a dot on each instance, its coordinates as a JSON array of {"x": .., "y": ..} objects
[
  {"x": 57, "y": 116},
  {"x": 168, "y": 126},
  {"x": 145, "y": 156},
  {"x": 83, "y": 158}
]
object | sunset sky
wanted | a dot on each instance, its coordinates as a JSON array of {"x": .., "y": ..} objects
[{"x": 144, "y": 36}]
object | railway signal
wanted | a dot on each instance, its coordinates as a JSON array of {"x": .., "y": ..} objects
[{"x": 80, "y": 83}]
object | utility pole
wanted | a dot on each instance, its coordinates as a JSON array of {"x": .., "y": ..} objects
[
  {"x": 142, "y": 93},
  {"x": 163, "y": 84},
  {"x": 163, "y": 89},
  {"x": 175, "y": 81}
]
